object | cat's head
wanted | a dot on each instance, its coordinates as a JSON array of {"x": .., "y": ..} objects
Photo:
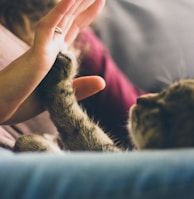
[{"x": 166, "y": 119}]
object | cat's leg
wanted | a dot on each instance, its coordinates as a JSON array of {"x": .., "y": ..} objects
[
  {"x": 77, "y": 130},
  {"x": 34, "y": 143}
]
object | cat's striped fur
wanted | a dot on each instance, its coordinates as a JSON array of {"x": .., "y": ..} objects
[{"x": 77, "y": 130}]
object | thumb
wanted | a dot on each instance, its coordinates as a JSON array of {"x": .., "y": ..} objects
[{"x": 87, "y": 86}]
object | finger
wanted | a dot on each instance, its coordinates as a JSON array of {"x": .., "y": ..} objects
[
  {"x": 83, "y": 6},
  {"x": 87, "y": 86},
  {"x": 87, "y": 16},
  {"x": 68, "y": 19},
  {"x": 75, "y": 7},
  {"x": 57, "y": 13},
  {"x": 49, "y": 22},
  {"x": 84, "y": 19}
]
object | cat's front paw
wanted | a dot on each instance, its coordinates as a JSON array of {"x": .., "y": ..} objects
[
  {"x": 65, "y": 66},
  {"x": 64, "y": 69},
  {"x": 37, "y": 143}
]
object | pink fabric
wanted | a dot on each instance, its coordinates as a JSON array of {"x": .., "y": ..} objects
[{"x": 11, "y": 47}]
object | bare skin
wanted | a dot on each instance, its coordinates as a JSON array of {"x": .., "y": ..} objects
[{"x": 19, "y": 80}]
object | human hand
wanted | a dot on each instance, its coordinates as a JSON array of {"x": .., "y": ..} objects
[
  {"x": 24, "y": 74},
  {"x": 70, "y": 16}
]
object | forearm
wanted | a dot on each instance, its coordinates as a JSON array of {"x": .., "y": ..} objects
[
  {"x": 18, "y": 81},
  {"x": 30, "y": 108}
]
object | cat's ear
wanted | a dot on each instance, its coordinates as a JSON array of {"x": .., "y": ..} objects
[{"x": 150, "y": 100}]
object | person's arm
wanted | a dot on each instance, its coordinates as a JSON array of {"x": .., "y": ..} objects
[
  {"x": 84, "y": 87},
  {"x": 21, "y": 77}
]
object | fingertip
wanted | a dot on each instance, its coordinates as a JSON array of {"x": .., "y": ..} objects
[
  {"x": 94, "y": 83},
  {"x": 87, "y": 86},
  {"x": 100, "y": 82}
]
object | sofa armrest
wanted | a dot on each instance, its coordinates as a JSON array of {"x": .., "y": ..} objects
[{"x": 135, "y": 175}]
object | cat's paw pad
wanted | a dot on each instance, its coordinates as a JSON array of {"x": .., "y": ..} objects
[{"x": 65, "y": 66}]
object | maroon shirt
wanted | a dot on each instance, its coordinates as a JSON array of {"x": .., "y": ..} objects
[{"x": 111, "y": 106}]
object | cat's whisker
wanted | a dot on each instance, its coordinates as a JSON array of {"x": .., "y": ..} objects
[
  {"x": 182, "y": 69},
  {"x": 165, "y": 78},
  {"x": 182, "y": 65}
]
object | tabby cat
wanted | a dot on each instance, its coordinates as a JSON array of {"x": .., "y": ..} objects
[
  {"x": 166, "y": 119},
  {"x": 77, "y": 130},
  {"x": 162, "y": 120}
]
